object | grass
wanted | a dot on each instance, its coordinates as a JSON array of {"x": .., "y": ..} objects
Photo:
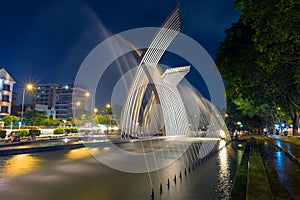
[{"x": 258, "y": 186}]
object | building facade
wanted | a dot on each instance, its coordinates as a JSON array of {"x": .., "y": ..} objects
[
  {"x": 6, "y": 92},
  {"x": 15, "y": 110},
  {"x": 50, "y": 112},
  {"x": 61, "y": 99},
  {"x": 63, "y": 103},
  {"x": 72, "y": 101},
  {"x": 45, "y": 94}
]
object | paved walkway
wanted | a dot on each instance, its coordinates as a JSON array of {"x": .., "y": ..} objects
[
  {"x": 290, "y": 139},
  {"x": 272, "y": 173},
  {"x": 290, "y": 145}
]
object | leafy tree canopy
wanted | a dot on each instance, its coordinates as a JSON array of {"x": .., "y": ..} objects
[{"x": 260, "y": 59}]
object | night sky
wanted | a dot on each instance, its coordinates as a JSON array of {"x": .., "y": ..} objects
[{"x": 46, "y": 41}]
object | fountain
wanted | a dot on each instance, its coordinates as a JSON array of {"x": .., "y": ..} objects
[{"x": 159, "y": 100}]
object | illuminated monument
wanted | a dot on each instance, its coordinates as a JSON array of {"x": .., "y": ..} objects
[
  {"x": 165, "y": 110},
  {"x": 159, "y": 100},
  {"x": 164, "y": 87},
  {"x": 169, "y": 110}
]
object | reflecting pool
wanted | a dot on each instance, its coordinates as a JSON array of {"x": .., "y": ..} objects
[{"x": 76, "y": 174}]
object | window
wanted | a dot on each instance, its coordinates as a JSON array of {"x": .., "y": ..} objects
[
  {"x": 4, "y": 109},
  {"x": 6, "y": 87},
  {"x": 5, "y": 98}
]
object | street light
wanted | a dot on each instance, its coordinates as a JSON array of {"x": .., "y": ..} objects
[
  {"x": 88, "y": 95},
  {"x": 74, "y": 109},
  {"x": 95, "y": 111},
  {"x": 27, "y": 86},
  {"x": 108, "y": 106}
]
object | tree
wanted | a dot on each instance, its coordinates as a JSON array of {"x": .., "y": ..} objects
[
  {"x": 277, "y": 26},
  {"x": 10, "y": 120},
  {"x": 259, "y": 59},
  {"x": 34, "y": 117},
  {"x": 100, "y": 119},
  {"x": 50, "y": 122},
  {"x": 245, "y": 82},
  {"x": 108, "y": 113}
]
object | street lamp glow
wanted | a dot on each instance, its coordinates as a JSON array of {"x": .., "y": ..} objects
[
  {"x": 29, "y": 86},
  {"x": 78, "y": 103},
  {"x": 95, "y": 110},
  {"x": 108, "y": 105},
  {"x": 87, "y": 94}
]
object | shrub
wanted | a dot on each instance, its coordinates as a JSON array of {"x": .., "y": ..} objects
[
  {"x": 58, "y": 131},
  {"x": 22, "y": 132},
  {"x": 2, "y": 134},
  {"x": 71, "y": 130},
  {"x": 36, "y": 132}
]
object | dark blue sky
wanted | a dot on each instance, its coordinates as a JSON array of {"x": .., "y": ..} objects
[{"x": 46, "y": 41}]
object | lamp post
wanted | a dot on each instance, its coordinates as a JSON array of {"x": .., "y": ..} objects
[
  {"x": 108, "y": 106},
  {"x": 88, "y": 95},
  {"x": 280, "y": 122},
  {"x": 95, "y": 111},
  {"x": 76, "y": 104},
  {"x": 28, "y": 86}
]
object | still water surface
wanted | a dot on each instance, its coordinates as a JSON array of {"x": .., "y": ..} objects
[{"x": 75, "y": 174}]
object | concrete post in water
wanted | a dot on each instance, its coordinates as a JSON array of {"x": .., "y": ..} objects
[
  {"x": 160, "y": 188},
  {"x": 175, "y": 178}
]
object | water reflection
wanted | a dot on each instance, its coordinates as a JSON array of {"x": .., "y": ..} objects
[
  {"x": 279, "y": 163},
  {"x": 21, "y": 164},
  {"x": 83, "y": 177},
  {"x": 224, "y": 173},
  {"x": 81, "y": 153},
  {"x": 278, "y": 143},
  {"x": 287, "y": 171}
]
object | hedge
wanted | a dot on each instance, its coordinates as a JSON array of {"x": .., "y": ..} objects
[
  {"x": 71, "y": 130},
  {"x": 58, "y": 131},
  {"x": 22, "y": 132}
]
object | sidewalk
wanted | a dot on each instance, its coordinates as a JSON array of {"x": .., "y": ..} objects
[
  {"x": 290, "y": 145},
  {"x": 257, "y": 178},
  {"x": 291, "y": 139}
]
